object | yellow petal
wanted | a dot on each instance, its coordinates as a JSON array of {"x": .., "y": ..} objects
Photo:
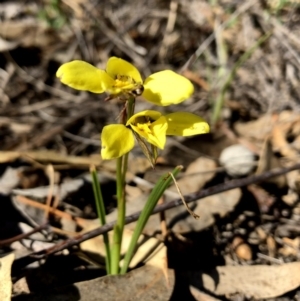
[
  {"x": 186, "y": 124},
  {"x": 167, "y": 87},
  {"x": 159, "y": 129},
  {"x": 150, "y": 125},
  {"x": 150, "y": 114},
  {"x": 116, "y": 66},
  {"x": 83, "y": 76},
  {"x": 116, "y": 140}
]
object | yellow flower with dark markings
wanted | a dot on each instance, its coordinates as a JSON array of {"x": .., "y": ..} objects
[
  {"x": 149, "y": 127},
  {"x": 161, "y": 88},
  {"x": 118, "y": 139}
]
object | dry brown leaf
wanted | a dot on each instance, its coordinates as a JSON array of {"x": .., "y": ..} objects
[
  {"x": 197, "y": 174},
  {"x": 279, "y": 136},
  {"x": 260, "y": 129},
  {"x": 200, "y": 296},
  {"x": 7, "y": 45},
  {"x": 41, "y": 192},
  {"x": 279, "y": 140},
  {"x": 275, "y": 127},
  {"x": 5, "y": 279},
  {"x": 150, "y": 250},
  {"x": 263, "y": 198},
  {"x": 260, "y": 281},
  {"x": 20, "y": 128},
  {"x": 291, "y": 198},
  {"x": 138, "y": 165},
  {"x": 29, "y": 32},
  {"x": 267, "y": 161},
  {"x": 9, "y": 10},
  {"x": 77, "y": 6},
  {"x": 9, "y": 180},
  {"x": 256, "y": 130},
  {"x": 147, "y": 283},
  {"x": 193, "y": 9},
  {"x": 296, "y": 142},
  {"x": 132, "y": 193},
  {"x": 291, "y": 246},
  {"x": 15, "y": 30},
  {"x": 207, "y": 208},
  {"x": 21, "y": 287}
]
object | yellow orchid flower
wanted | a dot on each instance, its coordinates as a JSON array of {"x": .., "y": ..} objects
[
  {"x": 161, "y": 88},
  {"x": 118, "y": 139}
]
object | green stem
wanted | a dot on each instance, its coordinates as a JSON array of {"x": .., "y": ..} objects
[
  {"x": 119, "y": 178},
  {"x": 118, "y": 228},
  {"x": 155, "y": 195},
  {"x": 122, "y": 164},
  {"x": 101, "y": 214}
]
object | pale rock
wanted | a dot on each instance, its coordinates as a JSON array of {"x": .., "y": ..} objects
[{"x": 237, "y": 160}]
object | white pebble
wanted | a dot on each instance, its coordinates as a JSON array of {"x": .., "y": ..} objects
[{"x": 237, "y": 160}]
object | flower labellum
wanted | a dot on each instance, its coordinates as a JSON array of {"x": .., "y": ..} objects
[{"x": 149, "y": 126}]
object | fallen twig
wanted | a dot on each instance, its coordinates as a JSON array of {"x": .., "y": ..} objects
[{"x": 8, "y": 241}]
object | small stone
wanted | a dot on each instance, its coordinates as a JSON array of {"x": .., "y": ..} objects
[
  {"x": 290, "y": 246},
  {"x": 244, "y": 252},
  {"x": 271, "y": 244},
  {"x": 261, "y": 233},
  {"x": 241, "y": 249},
  {"x": 237, "y": 160},
  {"x": 296, "y": 210},
  {"x": 253, "y": 238},
  {"x": 291, "y": 198}
]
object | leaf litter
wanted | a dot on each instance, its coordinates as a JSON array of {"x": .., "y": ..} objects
[{"x": 248, "y": 236}]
